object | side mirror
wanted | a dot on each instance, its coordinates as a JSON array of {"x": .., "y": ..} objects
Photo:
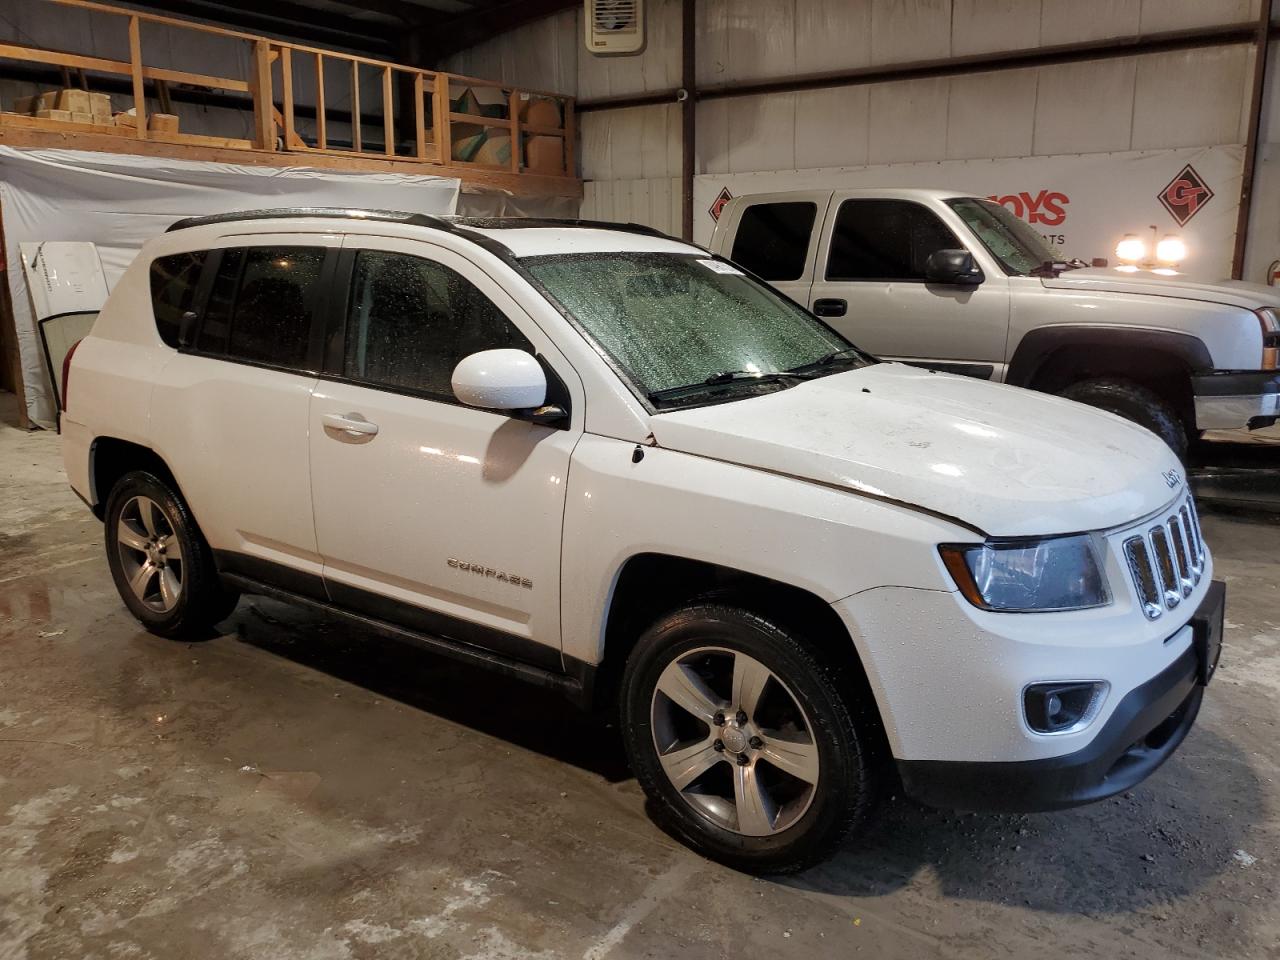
[
  {"x": 953, "y": 266},
  {"x": 500, "y": 380}
]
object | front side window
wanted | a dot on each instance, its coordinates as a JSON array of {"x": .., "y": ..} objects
[
  {"x": 1015, "y": 243},
  {"x": 885, "y": 240},
  {"x": 773, "y": 239},
  {"x": 262, "y": 304},
  {"x": 674, "y": 321},
  {"x": 410, "y": 321},
  {"x": 173, "y": 290}
]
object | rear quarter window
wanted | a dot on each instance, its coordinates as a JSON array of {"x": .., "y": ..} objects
[
  {"x": 773, "y": 239},
  {"x": 173, "y": 290}
]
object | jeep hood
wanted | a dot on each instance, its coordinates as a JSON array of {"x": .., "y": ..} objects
[
  {"x": 1005, "y": 460},
  {"x": 1235, "y": 293}
]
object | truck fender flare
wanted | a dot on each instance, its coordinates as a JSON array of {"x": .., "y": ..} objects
[{"x": 1122, "y": 343}]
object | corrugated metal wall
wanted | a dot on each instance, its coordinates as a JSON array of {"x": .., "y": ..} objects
[{"x": 631, "y": 157}]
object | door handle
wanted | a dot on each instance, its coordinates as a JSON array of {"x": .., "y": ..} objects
[
  {"x": 352, "y": 424},
  {"x": 830, "y": 307}
]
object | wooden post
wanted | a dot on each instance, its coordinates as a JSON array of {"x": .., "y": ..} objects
[
  {"x": 444, "y": 130},
  {"x": 135, "y": 67},
  {"x": 322, "y": 139},
  {"x": 264, "y": 125},
  {"x": 355, "y": 105},
  {"x": 419, "y": 110},
  {"x": 570, "y": 133},
  {"x": 388, "y": 114},
  {"x": 286, "y": 76},
  {"x": 513, "y": 111}
]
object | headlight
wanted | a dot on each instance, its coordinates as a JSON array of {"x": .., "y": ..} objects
[{"x": 1028, "y": 576}]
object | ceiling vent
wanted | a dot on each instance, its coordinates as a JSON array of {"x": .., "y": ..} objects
[{"x": 614, "y": 27}]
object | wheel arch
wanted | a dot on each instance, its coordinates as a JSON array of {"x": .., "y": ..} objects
[{"x": 110, "y": 458}]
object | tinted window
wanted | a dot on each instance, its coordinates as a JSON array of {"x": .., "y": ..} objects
[
  {"x": 773, "y": 239},
  {"x": 411, "y": 320},
  {"x": 261, "y": 305},
  {"x": 885, "y": 240},
  {"x": 173, "y": 290}
]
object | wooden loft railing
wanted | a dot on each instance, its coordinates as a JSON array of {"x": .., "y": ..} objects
[{"x": 440, "y": 123}]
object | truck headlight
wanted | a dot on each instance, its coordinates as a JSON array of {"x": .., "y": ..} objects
[{"x": 1028, "y": 576}]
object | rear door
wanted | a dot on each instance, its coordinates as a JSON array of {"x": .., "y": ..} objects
[
  {"x": 775, "y": 236},
  {"x": 869, "y": 283},
  {"x": 229, "y": 410}
]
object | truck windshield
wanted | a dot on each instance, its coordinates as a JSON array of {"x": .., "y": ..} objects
[
  {"x": 689, "y": 329},
  {"x": 1019, "y": 248}
]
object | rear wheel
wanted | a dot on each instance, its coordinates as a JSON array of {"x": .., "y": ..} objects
[
  {"x": 1136, "y": 403},
  {"x": 159, "y": 560},
  {"x": 740, "y": 735}
]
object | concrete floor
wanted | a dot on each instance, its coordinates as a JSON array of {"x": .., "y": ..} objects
[{"x": 292, "y": 789}]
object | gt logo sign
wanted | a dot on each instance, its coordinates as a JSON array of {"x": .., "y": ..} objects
[
  {"x": 1045, "y": 207},
  {"x": 1185, "y": 195}
]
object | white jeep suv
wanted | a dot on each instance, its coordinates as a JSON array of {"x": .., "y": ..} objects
[{"x": 615, "y": 465}]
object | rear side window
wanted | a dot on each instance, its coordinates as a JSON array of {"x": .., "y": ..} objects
[
  {"x": 411, "y": 320},
  {"x": 173, "y": 290},
  {"x": 773, "y": 239},
  {"x": 262, "y": 304},
  {"x": 885, "y": 240}
]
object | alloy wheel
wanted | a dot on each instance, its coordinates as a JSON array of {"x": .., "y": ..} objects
[
  {"x": 734, "y": 741},
  {"x": 150, "y": 554}
]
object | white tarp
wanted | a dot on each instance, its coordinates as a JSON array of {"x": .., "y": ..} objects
[
  {"x": 118, "y": 202},
  {"x": 1083, "y": 204}
]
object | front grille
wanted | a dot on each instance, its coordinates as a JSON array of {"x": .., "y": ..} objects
[{"x": 1166, "y": 561}]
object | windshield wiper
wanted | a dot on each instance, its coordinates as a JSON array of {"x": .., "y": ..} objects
[
  {"x": 723, "y": 379},
  {"x": 848, "y": 353}
]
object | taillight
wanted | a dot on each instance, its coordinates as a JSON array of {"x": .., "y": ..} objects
[
  {"x": 1270, "y": 320},
  {"x": 66, "y": 372}
]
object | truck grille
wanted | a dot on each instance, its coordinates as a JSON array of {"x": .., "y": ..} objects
[{"x": 1167, "y": 560}]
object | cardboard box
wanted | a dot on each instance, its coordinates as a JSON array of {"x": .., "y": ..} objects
[
  {"x": 127, "y": 120},
  {"x": 26, "y": 105},
  {"x": 541, "y": 112},
  {"x": 64, "y": 115},
  {"x": 544, "y": 155},
  {"x": 71, "y": 100},
  {"x": 162, "y": 123},
  {"x": 100, "y": 107},
  {"x": 77, "y": 117}
]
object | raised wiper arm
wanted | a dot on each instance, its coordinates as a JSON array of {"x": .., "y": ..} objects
[
  {"x": 848, "y": 353},
  {"x": 721, "y": 379}
]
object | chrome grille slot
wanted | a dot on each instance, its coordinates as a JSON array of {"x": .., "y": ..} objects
[{"x": 1167, "y": 561}]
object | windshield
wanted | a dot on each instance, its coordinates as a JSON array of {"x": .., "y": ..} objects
[
  {"x": 676, "y": 321},
  {"x": 1019, "y": 248}
]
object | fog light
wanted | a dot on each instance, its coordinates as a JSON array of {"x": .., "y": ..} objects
[
  {"x": 1131, "y": 249},
  {"x": 1171, "y": 250},
  {"x": 1062, "y": 707}
]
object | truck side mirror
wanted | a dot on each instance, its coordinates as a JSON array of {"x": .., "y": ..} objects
[{"x": 953, "y": 266}]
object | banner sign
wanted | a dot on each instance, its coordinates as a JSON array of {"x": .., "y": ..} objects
[{"x": 1083, "y": 205}]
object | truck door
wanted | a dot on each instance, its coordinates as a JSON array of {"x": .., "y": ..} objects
[
  {"x": 775, "y": 236},
  {"x": 869, "y": 284}
]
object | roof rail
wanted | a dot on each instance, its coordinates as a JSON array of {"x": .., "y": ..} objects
[
  {"x": 525, "y": 223},
  {"x": 345, "y": 213}
]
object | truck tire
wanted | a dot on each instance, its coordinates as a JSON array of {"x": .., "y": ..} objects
[
  {"x": 160, "y": 561},
  {"x": 741, "y": 737},
  {"x": 1136, "y": 403}
]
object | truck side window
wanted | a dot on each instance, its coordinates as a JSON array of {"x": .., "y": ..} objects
[
  {"x": 261, "y": 305},
  {"x": 410, "y": 321},
  {"x": 173, "y": 290},
  {"x": 773, "y": 239},
  {"x": 885, "y": 240}
]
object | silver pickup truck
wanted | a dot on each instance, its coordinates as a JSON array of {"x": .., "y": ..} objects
[{"x": 958, "y": 283}]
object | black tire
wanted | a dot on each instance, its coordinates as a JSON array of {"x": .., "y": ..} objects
[
  {"x": 201, "y": 598},
  {"x": 849, "y": 778},
  {"x": 1136, "y": 403}
]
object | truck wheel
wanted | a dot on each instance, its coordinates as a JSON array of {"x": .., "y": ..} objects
[
  {"x": 740, "y": 736},
  {"x": 160, "y": 562},
  {"x": 1136, "y": 403}
]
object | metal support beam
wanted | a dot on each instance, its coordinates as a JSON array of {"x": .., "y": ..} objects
[
  {"x": 1261, "y": 50},
  {"x": 688, "y": 113},
  {"x": 956, "y": 66}
]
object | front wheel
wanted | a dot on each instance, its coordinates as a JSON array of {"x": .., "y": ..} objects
[
  {"x": 741, "y": 737},
  {"x": 1136, "y": 403}
]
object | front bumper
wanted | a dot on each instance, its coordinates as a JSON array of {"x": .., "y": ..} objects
[
  {"x": 1142, "y": 732},
  {"x": 1235, "y": 400}
]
